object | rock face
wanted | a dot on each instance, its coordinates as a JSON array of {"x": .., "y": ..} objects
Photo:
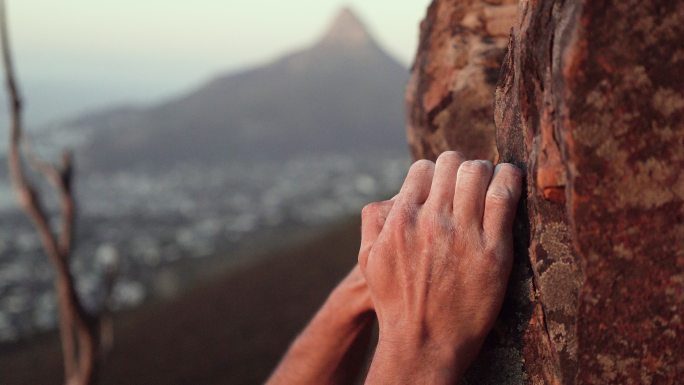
[
  {"x": 450, "y": 95},
  {"x": 590, "y": 103}
]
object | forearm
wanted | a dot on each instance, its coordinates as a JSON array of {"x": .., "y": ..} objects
[{"x": 332, "y": 347}]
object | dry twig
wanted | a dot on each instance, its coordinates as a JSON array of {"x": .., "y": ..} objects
[{"x": 78, "y": 328}]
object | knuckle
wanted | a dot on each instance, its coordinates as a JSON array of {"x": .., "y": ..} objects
[
  {"x": 403, "y": 217},
  {"x": 369, "y": 210},
  {"x": 440, "y": 220},
  {"x": 492, "y": 258},
  {"x": 499, "y": 195},
  {"x": 490, "y": 252},
  {"x": 426, "y": 223},
  {"x": 450, "y": 157},
  {"x": 475, "y": 167},
  {"x": 384, "y": 208},
  {"x": 363, "y": 260},
  {"x": 509, "y": 169},
  {"x": 509, "y": 172},
  {"x": 436, "y": 228},
  {"x": 422, "y": 166}
]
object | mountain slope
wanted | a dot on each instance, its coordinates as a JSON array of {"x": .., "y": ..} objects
[{"x": 344, "y": 94}]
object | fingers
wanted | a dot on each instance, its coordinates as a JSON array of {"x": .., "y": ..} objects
[
  {"x": 501, "y": 200},
  {"x": 414, "y": 191},
  {"x": 471, "y": 185},
  {"x": 416, "y": 187},
  {"x": 373, "y": 217},
  {"x": 444, "y": 181}
]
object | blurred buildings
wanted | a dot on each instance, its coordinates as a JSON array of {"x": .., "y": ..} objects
[{"x": 150, "y": 223}]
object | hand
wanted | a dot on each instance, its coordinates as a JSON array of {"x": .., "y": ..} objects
[
  {"x": 438, "y": 270},
  {"x": 332, "y": 347},
  {"x": 373, "y": 218}
]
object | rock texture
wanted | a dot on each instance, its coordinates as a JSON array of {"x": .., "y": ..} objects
[
  {"x": 590, "y": 103},
  {"x": 451, "y": 92}
]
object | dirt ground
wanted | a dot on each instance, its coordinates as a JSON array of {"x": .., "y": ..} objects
[{"x": 232, "y": 330}]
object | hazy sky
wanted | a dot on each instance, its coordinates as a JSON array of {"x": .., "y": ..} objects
[{"x": 75, "y": 54}]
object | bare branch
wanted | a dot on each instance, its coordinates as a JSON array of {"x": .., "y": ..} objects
[
  {"x": 60, "y": 179},
  {"x": 79, "y": 329}
]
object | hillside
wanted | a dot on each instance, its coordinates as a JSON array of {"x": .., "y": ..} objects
[
  {"x": 343, "y": 94},
  {"x": 231, "y": 330}
]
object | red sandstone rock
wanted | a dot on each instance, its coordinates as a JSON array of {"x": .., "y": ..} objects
[
  {"x": 590, "y": 103},
  {"x": 451, "y": 93}
]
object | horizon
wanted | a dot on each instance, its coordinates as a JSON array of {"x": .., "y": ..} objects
[{"x": 64, "y": 72}]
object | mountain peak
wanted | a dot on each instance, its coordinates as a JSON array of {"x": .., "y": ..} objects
[{"x": 347, "y": 29}]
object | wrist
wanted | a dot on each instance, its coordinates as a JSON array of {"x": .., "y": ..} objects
[
  {"x": 417, "y": 358},
  {"x": 351, "y": 299},
  {"x": 400, "y": 363},
  {"x": 342, "y": 313},
  {"x": 337, "y": 323}
]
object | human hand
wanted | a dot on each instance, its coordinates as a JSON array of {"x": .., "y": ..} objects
[
  {"x": 352, "y": 291},
  {"x": 330, "y": 350},
  {"x": 438, "y": 269}
]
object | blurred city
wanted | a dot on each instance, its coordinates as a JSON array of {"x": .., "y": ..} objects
[
  {"x": 241, "y": 164},
  {"x": 195, "y": 163},
  {"x": 146, "y": 224}
]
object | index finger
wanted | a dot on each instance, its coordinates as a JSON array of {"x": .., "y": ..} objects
[{"x": 373, "y": 218}]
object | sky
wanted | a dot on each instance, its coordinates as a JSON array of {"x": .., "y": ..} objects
[{"x": 77, "y": 55}]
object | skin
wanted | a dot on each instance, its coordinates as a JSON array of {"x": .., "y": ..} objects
[
  {"x": 333, "y": 347},
  {"x": 434, "y": 262}
]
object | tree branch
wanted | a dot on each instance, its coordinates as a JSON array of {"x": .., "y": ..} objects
[{"x": 78, "y": 328}]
